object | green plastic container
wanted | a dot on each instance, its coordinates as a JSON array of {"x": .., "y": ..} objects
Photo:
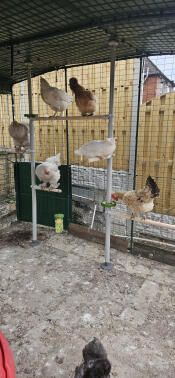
[{"x": 59, "y": 222}]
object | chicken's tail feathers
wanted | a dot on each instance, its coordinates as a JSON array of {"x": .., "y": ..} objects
[
  {"x": 153, "y": 187},
  {"x": 54, "y": 160},
  {"x": 78, "y": 152},
  {"x": 57, "y": 159},
  {"x": 70, "y": 98},
  {"x": 44, "y": 83}
]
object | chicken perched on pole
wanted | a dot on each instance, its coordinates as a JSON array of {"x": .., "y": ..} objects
[
  {"x": 85, "y": 100},
  {"x": 139, "y": 201},
  {"x": 20, "y": 134},
  {"x": 57, "y": 99},
  {"x": 96, "y": 363},
  {"x": 48, "y": 172},
  {"x": 96, "y": 150}
]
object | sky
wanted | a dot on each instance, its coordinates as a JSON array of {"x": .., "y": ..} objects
[{"x": 166, "y": 63}]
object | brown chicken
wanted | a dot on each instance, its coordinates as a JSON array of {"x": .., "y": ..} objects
[
  {"x": 139, "y": 201},
  {"x": 85, "y": 100}
]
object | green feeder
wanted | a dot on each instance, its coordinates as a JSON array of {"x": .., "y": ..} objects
[{"x": 59, "y": 222}]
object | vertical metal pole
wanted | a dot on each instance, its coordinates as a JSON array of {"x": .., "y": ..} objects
[
  {"x": 136, "y": 145},
  {"x": 11, "y": 89},
  {"x": 107, "y": 265},
  {"x": 67, "y": 150},
  {"x": 12, "y": 98},
  {"x": 32, "y": 148}
]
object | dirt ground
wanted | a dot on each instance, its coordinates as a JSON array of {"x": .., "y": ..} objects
[{"x": 55, "y": 298}]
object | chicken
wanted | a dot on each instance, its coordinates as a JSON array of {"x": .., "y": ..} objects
[
  {"x": 85, "y": 100},
  {"x": 57, "y": 99},
  {"x": 139, "y": 201},
  {"x": 96, "y": 150},
  {"x": 96, "y": 363},
  {"x": 48, "y": 172},
  {"x": 20, "y": 134}
]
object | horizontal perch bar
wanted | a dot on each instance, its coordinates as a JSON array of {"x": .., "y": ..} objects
[
  {"x": 37, "y": 187},
  {"x": 87, "y": 198},
  {"x": 73, "y": 118},
  {"x": 147, "y": 221}
]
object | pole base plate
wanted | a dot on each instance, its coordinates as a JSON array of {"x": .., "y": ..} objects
[
  {"x": 107, "y": 266},
  {"x": 34, "y": 243}
]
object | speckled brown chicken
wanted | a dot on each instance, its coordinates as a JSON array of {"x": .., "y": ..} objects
[{"x": 139, "y": 201}]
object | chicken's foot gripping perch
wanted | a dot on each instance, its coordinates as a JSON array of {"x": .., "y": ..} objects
[{"x": 139, "y": 201}]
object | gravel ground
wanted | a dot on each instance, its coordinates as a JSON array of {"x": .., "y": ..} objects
[{"x": 55, "y": 298}]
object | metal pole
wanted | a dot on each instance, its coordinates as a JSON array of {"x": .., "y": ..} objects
[
  {"x": 136, "y": 145},
  {"x": 32, "y": 148},
  {"x": 12, "y": 97},
  {"x": 107, "y": 265},
  {"x": 67, "y": 150}
]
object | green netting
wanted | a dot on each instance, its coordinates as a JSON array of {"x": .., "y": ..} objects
[{"x": 61, "y": 33}]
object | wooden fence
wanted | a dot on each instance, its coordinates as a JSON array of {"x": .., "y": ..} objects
[
  {"x": 156, "y": 138},
  {"x": 51, "y": 135},
  {"x": 156, "y": 149}
]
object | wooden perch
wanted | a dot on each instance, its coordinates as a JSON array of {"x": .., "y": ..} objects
[
  {"x": 72, "y": 118},
  {"x": 146, "y": 221},
  {"x": 45, "y": 189}
]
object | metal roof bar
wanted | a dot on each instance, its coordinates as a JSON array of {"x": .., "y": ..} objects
[{"x": 170, "y": 13}]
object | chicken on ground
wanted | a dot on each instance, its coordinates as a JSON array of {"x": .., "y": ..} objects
[{"x": 96, "y": 363}]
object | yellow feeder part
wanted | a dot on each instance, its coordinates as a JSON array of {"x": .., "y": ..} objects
[{"x": 59, "y": 222}]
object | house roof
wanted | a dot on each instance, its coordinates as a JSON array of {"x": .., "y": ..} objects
[
  {"x": 153, "y": 70},
  {"x": 57, "y": 33}
]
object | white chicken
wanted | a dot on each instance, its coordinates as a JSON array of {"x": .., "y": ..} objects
[
  {"x": 20, "y": 134},
  {"x": 96, "y": 150},
  {"x": 48, "y": 172},
  {"x": 57, "y": 99}
]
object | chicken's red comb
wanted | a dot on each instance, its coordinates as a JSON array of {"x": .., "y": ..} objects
[{"x": 113, "y": 196}]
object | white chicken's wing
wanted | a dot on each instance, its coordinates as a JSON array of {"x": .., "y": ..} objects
[{"x": 96, "y": 150}]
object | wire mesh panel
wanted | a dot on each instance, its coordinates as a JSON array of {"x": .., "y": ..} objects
[{"x": 152, "y": 153}]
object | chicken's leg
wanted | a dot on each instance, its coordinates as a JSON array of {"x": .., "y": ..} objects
[{"x": 132, "y": 216}]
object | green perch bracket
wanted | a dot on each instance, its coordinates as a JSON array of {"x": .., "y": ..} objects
[
  {"x": 31, "y": 115},
  {"x": 108, "y": 204}
]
